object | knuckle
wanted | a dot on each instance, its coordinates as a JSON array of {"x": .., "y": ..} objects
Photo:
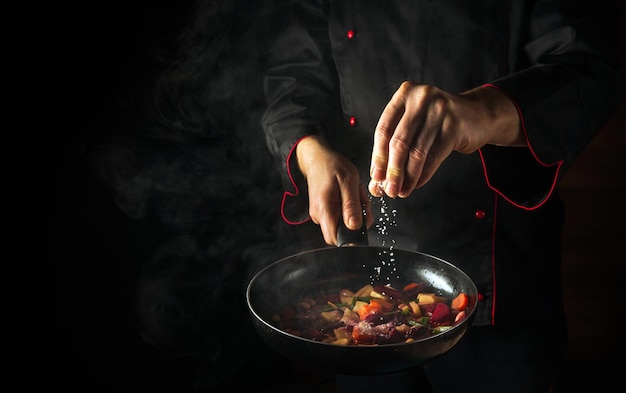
[
  {"x": 379, "y": 160},
  {"x": 351, "y": 204},
  {"x": 405, "y": 86},
  {"x": 383, "y": 131},
  {"x": 417, "y": 153},
  {"x": 438, "y": 105},
  {"x": 406, "y": 89},
  {"x": 394, "y": 172},
  {"x": 399, "y": 143}
]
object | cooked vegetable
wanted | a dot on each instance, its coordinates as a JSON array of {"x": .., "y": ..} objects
[
  {"x": 442, "y": 315},
  {"x": 429, "y": 298},
  {"x": 415, "y": 309},
  {"x": 460, "y": 302},
  {"x": 373, "y": 315},
  {"x": 370, "y": 311}
]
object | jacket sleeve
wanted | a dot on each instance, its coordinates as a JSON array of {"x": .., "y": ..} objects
[
  {"x": 564, "y": 82},
  {"x": 301, "y": 93}
]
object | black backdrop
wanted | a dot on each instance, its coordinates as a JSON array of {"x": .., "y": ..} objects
[
  {"x": 98, "y": 64},
  {"x": 123, "y": 207}
]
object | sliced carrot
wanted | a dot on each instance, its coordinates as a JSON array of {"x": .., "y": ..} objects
[
  {"x": 460, "y": 302},
  {"x": 372, "y": 308},
  {"x": 385, "y": 304},
  {"x": 408, "y": 287}
]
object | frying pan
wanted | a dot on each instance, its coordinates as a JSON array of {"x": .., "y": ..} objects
[{"x": 330, "y": 269}]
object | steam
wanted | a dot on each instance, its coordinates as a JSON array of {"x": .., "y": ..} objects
[{"x": 199, "y": 165}]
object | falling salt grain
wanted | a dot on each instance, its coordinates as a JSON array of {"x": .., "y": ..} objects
[{"x": 385, "y": 221}]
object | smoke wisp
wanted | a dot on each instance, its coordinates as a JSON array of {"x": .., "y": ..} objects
[{"x": 199, "y": 165}]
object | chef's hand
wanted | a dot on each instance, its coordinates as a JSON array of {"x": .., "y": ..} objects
[
  {"x": 335, "y": 191},
  {"x": 421, "y": 125}
]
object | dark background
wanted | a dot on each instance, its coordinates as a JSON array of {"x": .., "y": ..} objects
[
  {"x": 95, "y": 68},
  {"x": 178, "y": 219}
]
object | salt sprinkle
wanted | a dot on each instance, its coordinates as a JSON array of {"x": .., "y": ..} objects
[{"x": 382, "y": 227}]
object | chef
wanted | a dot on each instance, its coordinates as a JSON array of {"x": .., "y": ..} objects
[{"x": 449, "y": 124}]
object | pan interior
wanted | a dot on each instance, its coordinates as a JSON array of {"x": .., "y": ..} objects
[{"x": 329, "y": 270}]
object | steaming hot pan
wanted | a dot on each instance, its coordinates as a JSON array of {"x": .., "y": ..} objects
[{"x": 334, "y": 268}]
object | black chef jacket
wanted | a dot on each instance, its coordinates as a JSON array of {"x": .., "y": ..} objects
[{"x": 494, "y": 213}]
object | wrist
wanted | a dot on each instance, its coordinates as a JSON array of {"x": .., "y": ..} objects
[
  {"x": 305, "y": 151},
  {"x": 504, "y": 118}
]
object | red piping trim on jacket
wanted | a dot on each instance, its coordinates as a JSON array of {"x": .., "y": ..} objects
[
  {"x": 295, "y": 186},
  {"x": 558, "y": 163},
  {"x": 493, "y": 260}
]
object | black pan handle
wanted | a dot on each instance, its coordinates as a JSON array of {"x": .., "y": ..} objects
[{"x": 348, "y": 237}]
